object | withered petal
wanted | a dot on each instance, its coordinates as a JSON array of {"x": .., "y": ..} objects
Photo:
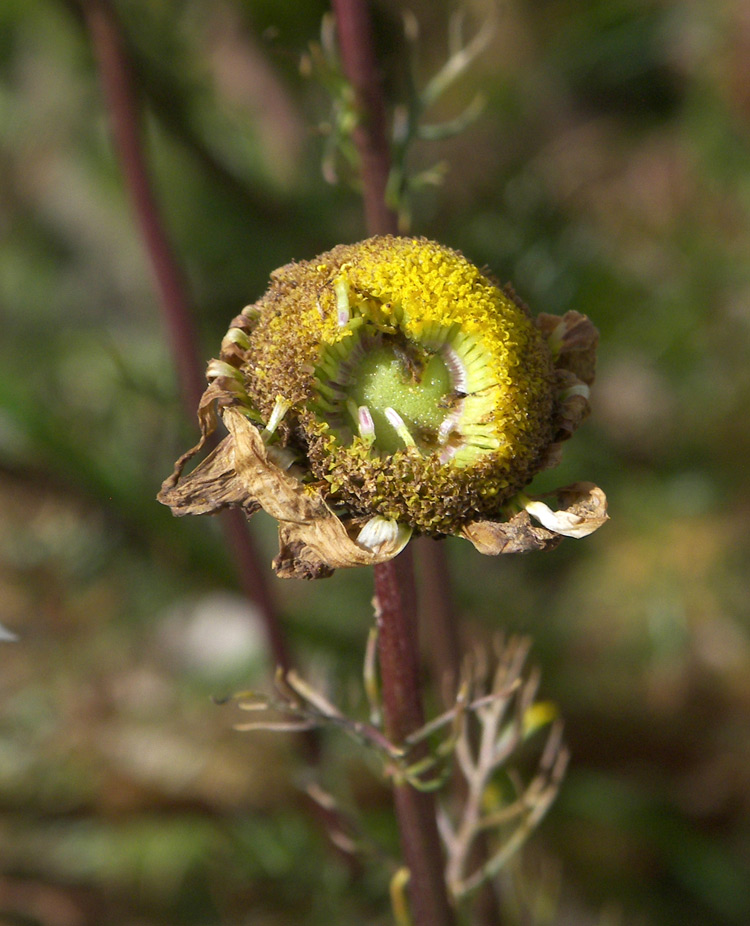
[
  {"x": 214, "y": 396},
  {"x": 571, "y": 408},
  {"x": 313, "y": 541},
  {"x": 581, "y": 509},
  {"x": 211, "y": 486},
  {"x": 552, "y": 456},
  {"x": 517, "y": 535},
  {"x": 574, "y": 339},
  {"x": 296, "y": 560}
]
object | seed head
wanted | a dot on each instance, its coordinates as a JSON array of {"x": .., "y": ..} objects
[{"x": 397, "y": 385}]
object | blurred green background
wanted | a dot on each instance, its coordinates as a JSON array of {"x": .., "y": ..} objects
[{"x": 609, "y": 173}]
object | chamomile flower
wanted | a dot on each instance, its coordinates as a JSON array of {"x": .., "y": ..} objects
[{"x": 386, "y": 388}]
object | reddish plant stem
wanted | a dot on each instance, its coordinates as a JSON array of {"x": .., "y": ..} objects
[
  {"x": 370, "y": 135},
  {"x": 114, "y": 71},
  {"x": 117, "y": 83},
  {"x": 402, "y": 710},
  {"x": 399, "y": 661},
  {"x": 398, "y": 648},
  {"x": 437, "y": 608},
  {"x": 252, "y": 576}
]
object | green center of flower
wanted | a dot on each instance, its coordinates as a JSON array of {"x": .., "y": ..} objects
[
  {"x": 397, "y": 380},
  {"x": 390, "y": 382},
  {"x": 429, "y": 396}
]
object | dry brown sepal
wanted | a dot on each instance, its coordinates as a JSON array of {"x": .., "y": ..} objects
[
  {"x": 583, "y": 502},
  {"x": 581, "y": 509},
  {"x": 240, "y": 472}
]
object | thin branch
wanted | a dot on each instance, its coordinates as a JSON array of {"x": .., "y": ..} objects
[
  {"x": 461, "y": 57},
  {"x": 502, "y": 729},
  {"x": 117, "y": 83},
  {"x": 370, "y": 135}
]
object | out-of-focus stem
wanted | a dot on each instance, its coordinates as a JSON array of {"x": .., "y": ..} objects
[
  {"x": 370, "y": 135},
  {"x": 436, "y": 606},
  {"x": 252, "y": 576},
  {"x": 114, "y": 71},
  {"x": 117, "y": 83}
]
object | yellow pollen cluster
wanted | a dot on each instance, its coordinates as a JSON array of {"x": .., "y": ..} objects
[{"x": 422, "y": 288}]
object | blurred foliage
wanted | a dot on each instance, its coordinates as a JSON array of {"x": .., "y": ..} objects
[{"x": 610, "y": 173}]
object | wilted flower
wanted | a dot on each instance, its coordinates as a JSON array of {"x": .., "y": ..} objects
[{"x": 391, "y": 387}]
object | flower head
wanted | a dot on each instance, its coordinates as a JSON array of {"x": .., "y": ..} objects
[{"x": 388, "y": 387}]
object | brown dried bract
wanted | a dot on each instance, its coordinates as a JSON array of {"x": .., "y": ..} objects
[{"x": 584, "y": 503}]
